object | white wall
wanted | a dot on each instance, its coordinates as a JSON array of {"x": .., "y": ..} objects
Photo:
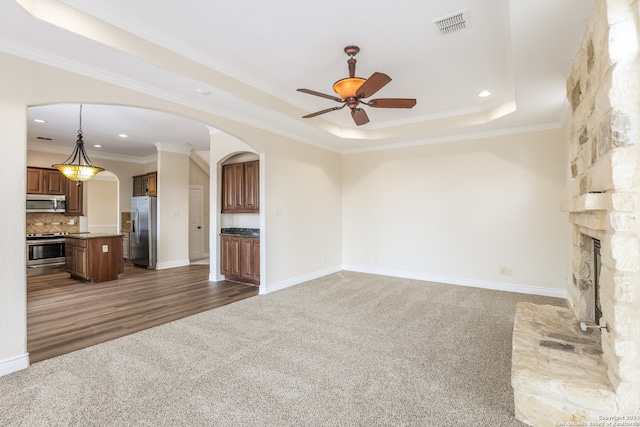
[
  {"x": 173, "y": 207},
  {"x": 102, "y": 204},
  {"x": 302, "y": 213},
  {"x": 458, "y": 212},
  {"x": 13, "y": 291}
]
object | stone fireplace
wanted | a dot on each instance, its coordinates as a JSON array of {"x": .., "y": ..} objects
[{"x": 560, "y": 373}]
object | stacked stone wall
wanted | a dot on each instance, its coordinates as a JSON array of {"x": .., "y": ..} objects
[{"x": 604, "y": 92}]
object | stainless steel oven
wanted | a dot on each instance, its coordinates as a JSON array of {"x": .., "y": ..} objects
[{"x": 45, "y": 253}]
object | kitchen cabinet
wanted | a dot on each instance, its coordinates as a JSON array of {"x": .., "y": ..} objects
[
  {"x": 240, "y": 259},
  {"x": 152, "y": 184},
  {"x": 252, "y": 186},
  {"x": 76, "y": 257},
  {"x": 94, "y": 257},
  {"x": 73, "y": 198},
  {"x": 45, "y": 181},
  {"x": 52, "y": 181},
  {"x": 145, "y": 185},
  {"x": 241, "y": 187}
]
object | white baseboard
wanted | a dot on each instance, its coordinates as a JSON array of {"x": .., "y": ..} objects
[
  {"x": 213, "y": 277},
  {"x": 266, "y": 289},
  {"x": 172, "y": 264},
  {"x": 507, "y": 287},
  {"x": 14, "y": 364}
]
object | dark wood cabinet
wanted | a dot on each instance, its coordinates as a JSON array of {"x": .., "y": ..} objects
[
  {"x": 252, "y": 186},
  {"x": 145, "y": 185},
  {"x": 52, "y": 181},
  {"x": 232, "y": 194},
  {"x": 94, "y": 259},
  {"x": 74, "y": 198},
  {"x": 35, "y": 181},
  {"x": 76, "y": 257},
  {"x": 240, "y": 259},
  {"x": 138, "y": 189},
  {"x": 230, "y": 256},
  {"x": 45, "y": 181},
  {"x": 241, "y": 187},
  {"x": 152, "y": 184}
]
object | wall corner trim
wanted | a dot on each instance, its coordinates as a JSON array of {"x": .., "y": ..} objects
[{"x": 14, "y": 364}]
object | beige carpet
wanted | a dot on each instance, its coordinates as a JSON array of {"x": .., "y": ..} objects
[{"x": 349, "y": 349}]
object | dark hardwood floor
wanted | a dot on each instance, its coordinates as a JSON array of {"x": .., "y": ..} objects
[{"x": 64, "y": 315}]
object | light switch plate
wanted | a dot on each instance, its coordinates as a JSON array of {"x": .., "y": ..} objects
[{"x": 105, "y": 248}]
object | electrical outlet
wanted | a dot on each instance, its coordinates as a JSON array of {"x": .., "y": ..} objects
[
  {"x": 279, "y": 212},
  {"x": 506, "y": 271}
]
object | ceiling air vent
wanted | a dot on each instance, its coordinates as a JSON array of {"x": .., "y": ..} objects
[
  {"x": 452, "y": 23},
  {"x": 45, "y": 138}
]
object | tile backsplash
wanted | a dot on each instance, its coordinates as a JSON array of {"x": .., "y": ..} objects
[{"x": 51, "y": 223}]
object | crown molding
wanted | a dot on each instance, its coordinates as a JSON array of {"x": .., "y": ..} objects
[{"x": 460, "y": 137}]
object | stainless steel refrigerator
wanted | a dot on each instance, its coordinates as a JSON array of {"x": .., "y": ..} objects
[{"x": 143, "y": 238}]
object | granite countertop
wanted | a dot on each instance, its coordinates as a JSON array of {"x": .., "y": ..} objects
[
  {"x": 244, "y": 232},
  {"x": 88, "y": 235}
]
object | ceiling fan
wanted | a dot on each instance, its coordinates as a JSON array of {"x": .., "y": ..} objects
[{"x": 353, "y": 89}]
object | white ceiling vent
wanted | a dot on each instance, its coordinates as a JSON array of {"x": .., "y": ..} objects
[{"x": 452, "y": 23}]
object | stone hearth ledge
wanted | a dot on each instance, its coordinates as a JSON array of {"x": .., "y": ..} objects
[{"x": 558, "y": 374}]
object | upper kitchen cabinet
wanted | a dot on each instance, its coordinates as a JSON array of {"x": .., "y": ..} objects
[
  {"x": 52, "y": 181},
  {"x": 241, "y": 187},
  {"x": 45, "y": 181},
  {"x": 74, "y": 191},
  {"x": 145, "y": 185}
]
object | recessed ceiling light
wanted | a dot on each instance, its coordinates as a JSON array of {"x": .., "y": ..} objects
[
  {"x": 123, "y": 135},
  {"x": 484, "y": 94},
  {"x": 97, "y": 145},
  {"x": 203, "y": 91},
  {"x": 39, "y": 121}
]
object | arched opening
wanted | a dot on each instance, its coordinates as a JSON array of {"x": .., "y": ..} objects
[{"x": 172, "y": 147}]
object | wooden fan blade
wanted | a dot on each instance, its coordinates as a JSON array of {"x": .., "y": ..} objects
[
  {"x": 392, "y": 103},
  {"x": 359, "y": 116},
  {"x": 323, "y": 95},
  {"x": 373, "y": 84},
  {"x": 317, "y": 113}
]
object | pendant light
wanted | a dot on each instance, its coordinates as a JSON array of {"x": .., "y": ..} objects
[{"x": 78, "y": 167}]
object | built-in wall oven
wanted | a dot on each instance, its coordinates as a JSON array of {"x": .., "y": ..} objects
[{"x": 45, "y": 253}]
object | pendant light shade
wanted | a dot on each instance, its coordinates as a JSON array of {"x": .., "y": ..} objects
[{"x": 78, "y": 167}]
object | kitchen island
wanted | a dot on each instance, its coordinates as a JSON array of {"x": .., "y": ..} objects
[{"x": 94, "y": 257}]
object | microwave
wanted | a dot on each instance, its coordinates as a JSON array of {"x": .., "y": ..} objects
[{"x": 46, "y": 203}]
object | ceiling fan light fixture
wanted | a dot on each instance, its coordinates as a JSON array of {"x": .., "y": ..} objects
[
  {"x": 78, "y": 167},
  {"x": 348, "y": 87},
  {"x": 353, "y": 89}
]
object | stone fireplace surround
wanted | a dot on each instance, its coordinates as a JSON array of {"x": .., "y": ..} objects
[{"x": 560, "y": 374}]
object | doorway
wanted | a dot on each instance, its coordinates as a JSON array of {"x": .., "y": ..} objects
[{"x": 196, "y": 217}]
